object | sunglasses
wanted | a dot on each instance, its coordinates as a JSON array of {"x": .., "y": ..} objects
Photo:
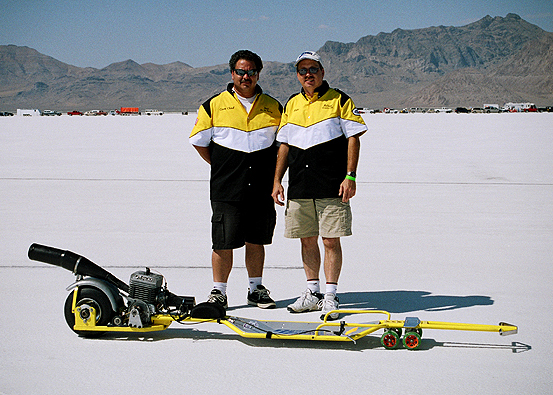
[
  {"x": 312, "y": 70},
  {"x": 242, "y": 73}
]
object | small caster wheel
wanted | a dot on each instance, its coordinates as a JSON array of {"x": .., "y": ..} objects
[
  {"x": 390, "y": 339},
  {"x": 412, "y": 340}
]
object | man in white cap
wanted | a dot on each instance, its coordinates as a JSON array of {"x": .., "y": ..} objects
[{"x": 319, "y": 135}]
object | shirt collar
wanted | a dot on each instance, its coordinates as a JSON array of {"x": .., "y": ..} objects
[
  {"x": 320, "y": 91},
  {"x": 230, "y": 89}
]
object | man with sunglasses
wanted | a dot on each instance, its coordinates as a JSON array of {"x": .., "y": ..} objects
[
  {"x": 235, "y": 133},
  {"x": 319, "y": 135}
]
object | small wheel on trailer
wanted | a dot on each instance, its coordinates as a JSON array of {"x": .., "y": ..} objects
[
  {"x": 412, "y": 340},
  {"x": 92, "y": 297},
  {"x": 416, "y": 330},
  {"x": 390, "y": 339}
]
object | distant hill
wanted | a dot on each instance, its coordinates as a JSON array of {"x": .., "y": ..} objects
[{"x": 493, "y": 60}]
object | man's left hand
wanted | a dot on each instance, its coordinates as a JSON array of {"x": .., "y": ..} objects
[{"x": 347, "y": 190}]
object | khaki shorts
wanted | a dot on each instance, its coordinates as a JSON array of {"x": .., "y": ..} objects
[{"x": 317, "y": 217}]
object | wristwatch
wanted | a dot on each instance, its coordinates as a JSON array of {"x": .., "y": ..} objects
[{"x": 350, "y": 175}]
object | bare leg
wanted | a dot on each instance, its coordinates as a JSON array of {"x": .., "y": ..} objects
[
  {"x": 311, "y": 257},
  {"x": 255, "y": 259},
  {"x": 333, "y": 259},
  {"x": 221, "y": 262}
]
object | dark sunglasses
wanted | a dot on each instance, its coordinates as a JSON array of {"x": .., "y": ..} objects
[
  {"x": 242, "y": 73},
  {"x": 312, "y": 70}
]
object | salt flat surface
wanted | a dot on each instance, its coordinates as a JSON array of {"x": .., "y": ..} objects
[{"x": 453, "y": 221}]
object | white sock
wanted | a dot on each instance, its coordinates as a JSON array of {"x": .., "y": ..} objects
[
  {"x": 254, "y": 282},
  {"x": 313, "y": 286},
  {"x": 331, "y": 288},
  {"x": 221, "y": 287}
]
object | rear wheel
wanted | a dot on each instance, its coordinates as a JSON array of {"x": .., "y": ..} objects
[
  {"x": 94, "y": 298},
  {"x": 412, "y": 340}
]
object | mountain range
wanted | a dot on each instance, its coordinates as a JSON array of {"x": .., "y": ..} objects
[{"x": 493, "y": 60}]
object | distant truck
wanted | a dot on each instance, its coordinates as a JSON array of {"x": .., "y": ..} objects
[
  {"x": 47, "y": 113},
  {"x": 28, "y": 113},
  {"x": 129, "y": 111},
  {"x": 153, "y": 112},
  {"x": 520, "y": 107}
]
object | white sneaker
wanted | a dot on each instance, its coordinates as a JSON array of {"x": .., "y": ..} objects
[
  {"x": 330, "y": 302},
  {"x": 308, "y": 301}
]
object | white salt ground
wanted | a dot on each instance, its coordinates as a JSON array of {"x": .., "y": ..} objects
[{"x": 453, "y": 221}]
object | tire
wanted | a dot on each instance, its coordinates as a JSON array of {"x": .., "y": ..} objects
[
  {"x": 94, "y": 298},
  {"x": 412, "y": 340},
  {"x": 390, "y": 339}
]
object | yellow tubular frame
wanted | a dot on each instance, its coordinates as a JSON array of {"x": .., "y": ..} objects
[{"x": 347, "y": 331}]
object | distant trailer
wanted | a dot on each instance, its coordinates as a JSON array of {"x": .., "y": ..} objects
[
  {"x": 153, "y": 112},
  {"x": 28, "y": 113},
  {"x": 129, "y": 111},
  {"x": 519, "y": 107}
]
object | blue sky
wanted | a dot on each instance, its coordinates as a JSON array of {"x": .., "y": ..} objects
[{"x": 98, "y": 33}]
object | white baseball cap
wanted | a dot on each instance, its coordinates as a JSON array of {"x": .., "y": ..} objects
[{"x": 309, "y": 55}]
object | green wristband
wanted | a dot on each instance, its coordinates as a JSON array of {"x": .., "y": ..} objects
[{"x": 348, "y": 177}]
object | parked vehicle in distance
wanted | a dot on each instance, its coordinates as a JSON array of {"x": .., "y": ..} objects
[
  {"x": 95, "y": 113},
  {"x": 6, "y": 114},
  {"x": 489, "y": 110},
  {"x": 462, "y": 110},
  {"x": 417, "y": 109},
  {"x": 50, "y": 113},
  {"x": 531, "y": 108},
  {"x": 22, "y": 112},
  {"x": 520, "y": 107},
  {"x": 74, "y": 112},
  {"x": 443, "y": 109},
  {"x": 477, "y": 110},
  {"x": 362, "y": 110},
  {"x": 153, "y": 112},
  {"x": 129, "y": 111}
]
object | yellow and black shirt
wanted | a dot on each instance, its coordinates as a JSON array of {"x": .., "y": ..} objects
[
  {"x": 316, "y": 130},
  {"x": 242, "y": 145}
]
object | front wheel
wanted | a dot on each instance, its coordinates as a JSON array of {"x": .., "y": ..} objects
[
  {"x": 94, "y": 298},
  {"x": 390, "y": 339}
]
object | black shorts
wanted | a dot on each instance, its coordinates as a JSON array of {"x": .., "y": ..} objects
[{"x": 235, "y": 223}]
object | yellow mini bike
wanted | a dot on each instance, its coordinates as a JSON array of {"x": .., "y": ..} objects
[{"x": 99, "y": 302}]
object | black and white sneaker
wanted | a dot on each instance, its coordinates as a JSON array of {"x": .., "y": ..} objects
[
  {"x": 260, "y": 298},
  {"x": 217, "y": 297}
]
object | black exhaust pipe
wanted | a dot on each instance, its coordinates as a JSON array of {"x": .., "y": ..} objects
[{"x": 73, "y": 262}]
